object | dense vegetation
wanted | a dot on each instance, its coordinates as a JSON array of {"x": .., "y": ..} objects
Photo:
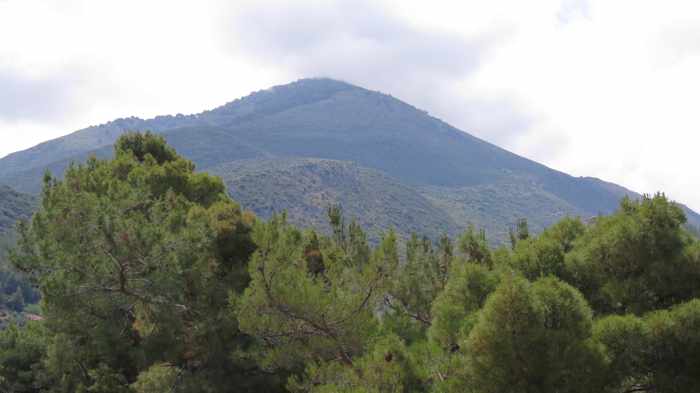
[
  {"x": 15, "y": 291},
  {"x": 154, "y": 280},
  {"x": 465, "y": 179},
  {"x": 304, "y": 188},
  {"x": 14, "y": 206}
]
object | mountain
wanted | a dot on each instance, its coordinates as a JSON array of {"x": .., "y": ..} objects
[{"x": 316, "y": 141}]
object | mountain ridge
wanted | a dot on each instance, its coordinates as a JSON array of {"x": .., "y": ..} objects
[
  {"x": 331, "y": 120},
  {"x": 105, "y": 134}
]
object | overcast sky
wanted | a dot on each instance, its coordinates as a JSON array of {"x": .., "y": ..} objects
[{"x": 594, "y": 88}]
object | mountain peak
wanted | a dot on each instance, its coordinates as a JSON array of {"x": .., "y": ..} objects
[
  {"x": 318, "y": 82},
  {"x": 324, "y": 118},
  {"x": 280, "y": 97},
  {"x": 313, "y": 85}
]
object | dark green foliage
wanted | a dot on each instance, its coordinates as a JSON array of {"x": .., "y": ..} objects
[
  {"x": 545, "y": 255},
  {"x": 159, "y": 378},
  {"x": 475, "y": 247},
  {"x": 519, "y": 231},
  {"x": 637, "y": 260},
  {"x": 135, "y": 259},
  {"x": 455, "y": 310},
  {"x": 16, "y": 292},
  {"x": 657, "y": 353},
  {"x": 674, "y": 356},
  {"x": 534, "y": 338},
  {"x": 21, "y": 354},
  {"x": 154, "y": 280},
  {"x": 305, "y": 318},
  {"x": 387, "y": 368},
  {"x": 14, "y": 206},
  {"x": 418, "y": 281},
  {"x": 626, "y": 343}
]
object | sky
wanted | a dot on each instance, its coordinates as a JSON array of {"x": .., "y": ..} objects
[{"x": 604, "y": 88}]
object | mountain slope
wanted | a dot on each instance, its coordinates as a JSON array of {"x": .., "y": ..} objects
[
  {"x": 494, "y": 206},
  {"x": 464, "y": 177},
  {"x": 14, "y": 206},
  {"x": 81, "y": 142},
  {"x": 305, "y": 187}
]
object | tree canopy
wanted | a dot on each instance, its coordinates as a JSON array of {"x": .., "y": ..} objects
[{"x": 152, "y": 279}]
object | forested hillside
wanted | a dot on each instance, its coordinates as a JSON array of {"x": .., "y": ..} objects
[
  {"x": 14, "y": 206},
  {"x": 469, "y": 180},
  {"x": 154, "y": 280},
  {"x": 15, "y": 291},
  {"x": 305, "y": 188}
]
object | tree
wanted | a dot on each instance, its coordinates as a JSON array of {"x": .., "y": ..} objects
[
  {"x": 21, "y": 352},
  {"x": 456, "y": 309},
  {"x": 153, "y": 280},
  {"x": 135, "y": 258},
  {"x": 673, "y": 356},
  {"x": 636, "y": 260},
  {"x": 626, "y": 342},
  {"x": 520, "y": 231},
  {"x": 533, "y": 338},
  {"x": 303, "y": 318},
  {"x": 351, "y": 239},
  {"x": 386, "y": 368},
  {"x": 656, "y": 353},
  {"x": 414, "y": 287},
  {"x": 159, "y": 378},
  {"x": 475, "y": 247},
  {"x": 544, "y": 255}
]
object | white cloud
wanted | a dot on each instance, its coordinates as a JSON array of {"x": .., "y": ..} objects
[
  {"x": 591, "y": 87},
  {"x": 609, "y": 85},
  {"x": 133, "y": 58}
]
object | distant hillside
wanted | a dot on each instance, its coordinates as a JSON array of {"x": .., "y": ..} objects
[
  {"x": 306, "y": 187},
  {"x": 494, "y": 207},
  {"x": 396, "y": 148},
  {"x": 67, "y": 147},
  {"x": 15, "y": 291},
  {"x": 13, "y": 207}
]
